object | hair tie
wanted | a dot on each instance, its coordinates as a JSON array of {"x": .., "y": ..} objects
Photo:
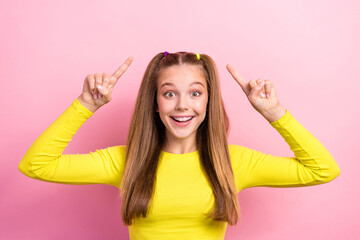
[
  {"x": 166, "y": 53},
  {"x": 198, "y": 56}
]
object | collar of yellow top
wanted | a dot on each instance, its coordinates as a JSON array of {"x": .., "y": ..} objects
[{"x": 190, "y": 155}]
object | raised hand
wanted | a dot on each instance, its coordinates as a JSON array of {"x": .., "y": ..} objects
[
  {"x": 98, "y": 87},
  {"x": 261, "y": 94}
]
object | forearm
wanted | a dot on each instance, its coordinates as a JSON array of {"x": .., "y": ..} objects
[
  {"x": 308, "y": 150},
  {"x": 52, "y": 142}
]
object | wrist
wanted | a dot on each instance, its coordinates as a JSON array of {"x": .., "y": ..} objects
[
  {"x": 275, "y": 114},
  {"x": 89, "y": 106}
]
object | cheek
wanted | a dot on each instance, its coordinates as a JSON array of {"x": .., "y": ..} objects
[
  {"x": 201, "y": 106},
  {"x": 162, "y": 105}
]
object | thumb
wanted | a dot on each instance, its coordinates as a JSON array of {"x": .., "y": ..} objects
[
  {"x": 102, "y": 90},
  {"x": 255, "y": 89}
]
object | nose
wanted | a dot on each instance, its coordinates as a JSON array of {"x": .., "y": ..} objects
[{"x": 182, "y": 103}]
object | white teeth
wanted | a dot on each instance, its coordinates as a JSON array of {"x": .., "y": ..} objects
[{"x": 183, "y": 119}]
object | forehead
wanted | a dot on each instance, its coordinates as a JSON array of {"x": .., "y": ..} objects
[{"x": 178, "y": 74}]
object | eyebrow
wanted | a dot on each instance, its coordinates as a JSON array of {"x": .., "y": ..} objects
[{"x": 171, "y": 84}]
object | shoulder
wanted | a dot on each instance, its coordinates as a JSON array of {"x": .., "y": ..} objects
[
  {"x": 235, "y": 149},
  {"x": 116, "y": 153},
  {"x": 236, "y": 153},
  {"x": 117, "y": 150}
]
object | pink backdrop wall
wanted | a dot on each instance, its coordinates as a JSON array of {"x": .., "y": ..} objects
[{"x": 309, "y": 49}]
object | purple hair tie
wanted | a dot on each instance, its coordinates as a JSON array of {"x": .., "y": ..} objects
[{"x": 166, "y": 53}]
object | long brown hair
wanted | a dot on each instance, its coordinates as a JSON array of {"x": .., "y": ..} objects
[{"x": 146, "y": 139}]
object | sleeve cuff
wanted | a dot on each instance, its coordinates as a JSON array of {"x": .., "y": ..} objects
[
  {"x": 283, "y": 120},
  {"x": 81, "y": 109}
]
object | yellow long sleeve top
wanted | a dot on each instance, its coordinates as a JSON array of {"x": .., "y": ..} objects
[{"x": 182, "y": 193}]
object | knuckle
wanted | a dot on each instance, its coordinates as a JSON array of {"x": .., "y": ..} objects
[
  {"x": 91, "y": 82},
  {"x": 98, "y": 79},
  {"x": 251, "y": 97}
]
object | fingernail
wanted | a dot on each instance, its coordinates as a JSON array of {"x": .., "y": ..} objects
[
  {"x": 268, "y": 95},
  {"x": 99, "y": 87},
  {"x": 262, "y": 95}
]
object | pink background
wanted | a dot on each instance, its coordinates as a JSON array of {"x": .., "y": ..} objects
[{"x": 308, "y": 49}]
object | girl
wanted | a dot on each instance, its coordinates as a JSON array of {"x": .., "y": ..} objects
[{"x": 177, "y": 175}]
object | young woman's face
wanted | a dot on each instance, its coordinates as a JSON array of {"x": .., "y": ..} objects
[{"x": 182, "y": 99}]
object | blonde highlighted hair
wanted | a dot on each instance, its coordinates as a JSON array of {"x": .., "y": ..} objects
[{"x": 146, "y": 139}]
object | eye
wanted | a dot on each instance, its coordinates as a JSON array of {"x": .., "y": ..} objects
[
  {"x": 196, "y": 93},
  {"x": 169, "y": 94}
]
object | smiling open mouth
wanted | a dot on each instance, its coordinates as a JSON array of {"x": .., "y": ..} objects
[
  {"x": 182, "y": 122},
  {"x": 183, "y": 119}
]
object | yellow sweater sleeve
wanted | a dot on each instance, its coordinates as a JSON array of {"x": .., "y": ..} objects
[
  {"x": 312, "y": 164},
  {"x": 44, "y": 159}
]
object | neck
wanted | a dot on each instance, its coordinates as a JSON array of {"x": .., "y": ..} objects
[{"x": 180, "y": 146}]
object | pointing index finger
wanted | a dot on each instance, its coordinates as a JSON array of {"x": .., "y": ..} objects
[
  {"x": 120, "y": 71},
  {"x": 239, "y": 79}
]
